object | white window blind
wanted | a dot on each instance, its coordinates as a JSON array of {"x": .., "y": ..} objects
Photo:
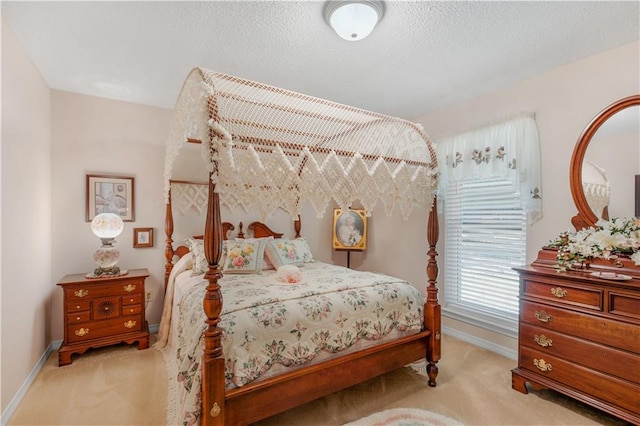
[{"x": 485, "y": 237}]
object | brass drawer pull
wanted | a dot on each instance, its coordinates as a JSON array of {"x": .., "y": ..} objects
[
  {"x": 543, "y": 341},
  {"x": 215, "y": 410},
  {"x": 129, "y": 288},
  {"x": 559, "y": 292},
  {"x": 82, "y": 332},
  {"x": 81, "y": 292},
  {"x": 542, "y": 316},
  {"x": 130, "y": 324},
  {"x": 542, "y": 365}
]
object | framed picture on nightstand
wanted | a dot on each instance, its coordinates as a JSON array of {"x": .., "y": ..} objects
[{"x": 142, "y": 237}]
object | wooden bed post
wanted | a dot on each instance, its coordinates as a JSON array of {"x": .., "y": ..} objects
[
  {"x": 213, "y": 378},
  {"x": 432, "y": 308},
  {"x": 168, "y": 230},
  {"x": 297, "y": 225}
]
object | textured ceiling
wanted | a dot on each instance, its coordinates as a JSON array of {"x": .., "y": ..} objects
[{"x": 422, "y": 56}]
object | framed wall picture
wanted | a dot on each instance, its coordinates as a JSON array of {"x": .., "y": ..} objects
[
  {"x": 349, "y": 229},
  {"x": 142, "y": 237},
  {"x": 110, "y": 194}
]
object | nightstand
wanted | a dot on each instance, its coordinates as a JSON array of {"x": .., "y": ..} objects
[{"x": 103, "y": 311}]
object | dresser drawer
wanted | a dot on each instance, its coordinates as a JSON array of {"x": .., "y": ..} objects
[
  {"x": 96, "y": 329},
  {"x": 597, "y": 329},
  {"x": 560, "y": 292},
  {"x": 598, "y": 357},
  {"x": 624, "y": 304},
  {"x": 599, "y": 385}
]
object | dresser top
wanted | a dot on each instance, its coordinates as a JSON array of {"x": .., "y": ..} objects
[
  {"x": 81, "y": 278},
  {"x": 583, "y": 275}
]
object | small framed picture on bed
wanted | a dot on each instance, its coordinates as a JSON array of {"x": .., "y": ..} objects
[
  {"x": 349, "y": 229},
  {"x": 142, "y": 237},
  {"x": 110, "y": 194}
]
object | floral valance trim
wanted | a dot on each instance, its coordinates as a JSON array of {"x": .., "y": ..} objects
[
  {"x": 509, "y": 149},
  {"x": 482, "y": 156}
]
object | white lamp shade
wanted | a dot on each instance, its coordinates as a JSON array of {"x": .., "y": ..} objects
[
  {"x": 107, "y": 225},
  {"x": 353, "y": 20}
]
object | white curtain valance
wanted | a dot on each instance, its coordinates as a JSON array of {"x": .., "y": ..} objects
[
  {"x": 270, "y": 148},
  {"x": 510, "y": 149}
]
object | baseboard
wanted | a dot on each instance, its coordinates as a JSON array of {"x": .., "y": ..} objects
[
  {"x": 53, "y": 346},
  {"x": 11, "y": 408},
  {"x": 485, "y": 344}
]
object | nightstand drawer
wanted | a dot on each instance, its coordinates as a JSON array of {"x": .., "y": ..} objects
[
  {"x": 600, "y": 330},
  {"x": 78, "y": 305},
  {"x": 96, "y": 329},
  {"x": 93, "y": 290},
  {"x": 106, "y": 308},
  {"x": 78, "y": 317},
  {"x": 560, "y": 292},
  {"x": 131, "y": 309},
  {"x": 134, "y": 299}
]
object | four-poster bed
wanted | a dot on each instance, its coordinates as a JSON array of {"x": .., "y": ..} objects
[{"x": 267, "y": 148}]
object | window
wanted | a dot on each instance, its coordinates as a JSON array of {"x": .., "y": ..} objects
[{"x": 485, "y": 237}]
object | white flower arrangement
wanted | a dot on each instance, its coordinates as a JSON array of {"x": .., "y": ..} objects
[{"x": 607, "y": 240}]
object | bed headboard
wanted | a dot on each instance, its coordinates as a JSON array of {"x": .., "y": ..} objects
[
  {"x": 181, "y": 250},
  {"x": 255, "y": 229}
]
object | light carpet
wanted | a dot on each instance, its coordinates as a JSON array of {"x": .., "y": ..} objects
[{"x": 405, "y": 417}]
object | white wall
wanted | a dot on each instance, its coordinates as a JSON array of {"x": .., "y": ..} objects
[
  {"x": 565, "y": 100},
  {"x": 92, "y": 135},
  {"x": 26, "y": 221}
]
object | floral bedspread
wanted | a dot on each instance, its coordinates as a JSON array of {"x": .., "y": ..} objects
[{"x": 270, "y": 327}]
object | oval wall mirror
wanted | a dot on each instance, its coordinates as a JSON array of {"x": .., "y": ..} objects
[{"x": 604, "y": 163}]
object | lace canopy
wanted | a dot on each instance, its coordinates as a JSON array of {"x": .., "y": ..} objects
[
  {"x": 267, "y": 148},
  {"x": 596, "y": 187}
]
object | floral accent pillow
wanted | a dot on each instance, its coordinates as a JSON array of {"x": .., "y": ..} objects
[
  {"x": 200, "y": 265},
  {"x": 266, "y": 265},
  {"x": 282, "y": 251},
  {"x": 244, "y": 257}
]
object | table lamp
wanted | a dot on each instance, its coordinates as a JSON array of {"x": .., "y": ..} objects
[{"x": 107, "y": 226}]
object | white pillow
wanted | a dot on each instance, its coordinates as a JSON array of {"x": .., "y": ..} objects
[{"x": 196, "y": 247}]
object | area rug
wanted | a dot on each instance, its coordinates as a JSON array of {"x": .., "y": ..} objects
[{"x": 405, "y": 417}]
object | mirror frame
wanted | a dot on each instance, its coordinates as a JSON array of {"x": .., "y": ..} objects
[{"x": 586, "y": 217}]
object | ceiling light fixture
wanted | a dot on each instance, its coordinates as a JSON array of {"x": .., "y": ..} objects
[{"x": 353, "y": 20}]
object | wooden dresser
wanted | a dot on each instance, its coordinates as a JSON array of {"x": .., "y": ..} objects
[
  {"x": 103, "y": 311},
  {"x": 580, "y": 335}
]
